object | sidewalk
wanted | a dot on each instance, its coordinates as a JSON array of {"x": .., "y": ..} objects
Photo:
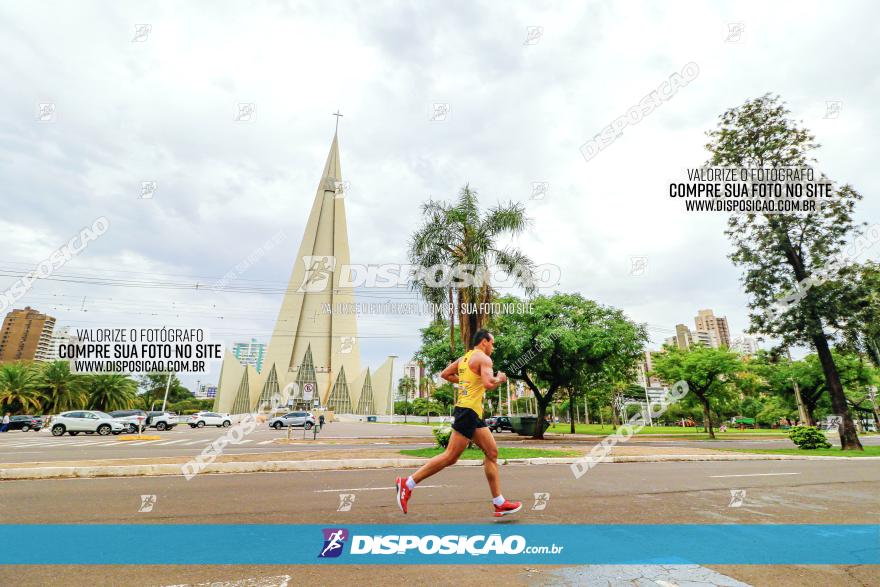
[{"x": 334, "y": 460}]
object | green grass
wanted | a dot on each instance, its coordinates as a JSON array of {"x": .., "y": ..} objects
[
  {"x": 503, "y": 453},
  {"x": 432, "y": 423},
  {"x": 698, "y": 431},
  {"x": 870, "y": 451}
]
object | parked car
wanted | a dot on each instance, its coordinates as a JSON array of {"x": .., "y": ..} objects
[
  {"x": 296, "y": 419},
  {"x": 25, "y": 423},
  {"x": 500, "y": 424},
  {"x": 203, "y": 419},
  {"x": 130, "y": 419},
  {"x": 161, "y": 420},
  {"x": 88, "y": 421},
  {"x": 490, "y": 421}
]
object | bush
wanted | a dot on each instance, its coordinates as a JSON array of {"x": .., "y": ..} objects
[
  {"x": 808, "y": 437},
  {"x": 441, "y": 435}
]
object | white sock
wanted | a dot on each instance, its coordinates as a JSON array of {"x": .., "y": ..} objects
[
  {"x": 410, "y": 483},
  {"x": 498, "y": 500}
]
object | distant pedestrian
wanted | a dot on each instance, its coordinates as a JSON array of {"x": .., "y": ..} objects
[
  {"x": 321, "y": 421},
  {"x": 5, "y": 425}
]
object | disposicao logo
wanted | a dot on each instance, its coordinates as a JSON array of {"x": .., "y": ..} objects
[{"x": 334, "y": 541}]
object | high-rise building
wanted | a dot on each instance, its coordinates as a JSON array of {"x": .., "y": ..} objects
[
  {"x": 26, "y": 335},
  {"x": 682, "y": 338},
  {"x": 707, "y": 338},
  {"x": 250, "y": 353},
  {"x": 706, "y": 321},
  {"x": 415, "y": 370},
  {"x": 745, "y": 345},
  {"x": 60, "y": 336},
  {"x": 643, "y": 368}
]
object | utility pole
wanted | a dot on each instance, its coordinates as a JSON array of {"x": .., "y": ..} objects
[
  {"x": 501, "y": 398},
  {"x": 802, "y": 412},
  {"x": 872, "y": 394},
  {"x": 167, "y": 387},
  {"x": 508, "y": 398},
  {"x": 391, "y": 382}
]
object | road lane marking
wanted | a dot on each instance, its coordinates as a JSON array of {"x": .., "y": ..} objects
[
  {"x": 266, "y": 442},
  {"x": 166, "y": 443},
  {"x": 370, "y": 488},
  {"x": 751, "y": 475}
]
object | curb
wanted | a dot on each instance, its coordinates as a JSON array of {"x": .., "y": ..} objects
[{"x": 147, "y": 470}]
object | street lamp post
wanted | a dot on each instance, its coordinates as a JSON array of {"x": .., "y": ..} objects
[{"x": 167, "y": 387}]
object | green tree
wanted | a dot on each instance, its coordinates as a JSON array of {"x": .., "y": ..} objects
[
  {"x": 465, "y": 240},
  {"x": 445, "y": 396},
  {"x": 62, "y": 389},
  {"x": 111, "y": 391},
  {"x": 786, "y": 253},
  {"x": 561, "y": 341},
  {"x": 19, "y": 391},
  {"x": 862, "y": 330},
  {"x": 708, "y": 373},
  {"x": 434, "y": 351},
  {"x": 152, "y": 390},
  {"x": 772, "y": 410},
  {"x": 405, "y": 387}
]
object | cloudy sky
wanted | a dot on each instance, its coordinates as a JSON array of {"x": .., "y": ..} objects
[{"x": 158, "y": 104}]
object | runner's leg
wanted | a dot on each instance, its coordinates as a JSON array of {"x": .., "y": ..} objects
[
  {"x": 457, "y": 443},
  {"x": 484, "y": 439}
]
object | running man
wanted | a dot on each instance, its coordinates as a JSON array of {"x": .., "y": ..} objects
[{"x": 473, "y": 374}]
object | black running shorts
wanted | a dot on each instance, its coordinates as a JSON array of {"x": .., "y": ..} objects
[{"x": 465, "y": 421}]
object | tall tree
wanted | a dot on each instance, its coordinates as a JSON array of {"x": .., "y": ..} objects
[
  {"x": 111, "y": 391},
  {"x": 782, "y": 253},
  {"x": 708, "y": 372},
  {"x": 19, "y": 390},
  {"x": 434, "y": 351},
  {"x": 862, "y": 330},
  {"x": 152, "y": 390},
  {"x": 466, "y": 241},
  {"x": 62, "y": 389},
  {"x": 560, "y": 342}
]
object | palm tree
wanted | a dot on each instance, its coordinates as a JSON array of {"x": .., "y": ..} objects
[
  {"x": 110, "y": 392},
  {"x": 406, "y": 386},
  {"x": 62, "y": 389},
  {"x": 18, "y": 387},
  {"x": 459, "y": 234}
]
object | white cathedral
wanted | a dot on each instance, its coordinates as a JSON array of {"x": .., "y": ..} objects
[{"x": 314, "y": 348}]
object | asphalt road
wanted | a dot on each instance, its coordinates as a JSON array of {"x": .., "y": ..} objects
[
  {"x": 824, "y": 492},
  {"x": 22, "y": 447}
]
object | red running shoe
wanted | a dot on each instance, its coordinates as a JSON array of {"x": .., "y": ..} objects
[
  {"x": 403, "y": 493},
  {"x": 508, "y": 507}
]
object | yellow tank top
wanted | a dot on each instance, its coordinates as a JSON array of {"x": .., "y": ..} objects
[{"x": 470, "y": 386}]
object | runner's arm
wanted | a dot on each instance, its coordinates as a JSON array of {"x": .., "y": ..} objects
[
  {"x": 488, "y": 379},
  {"x": 450, "y": 373}
]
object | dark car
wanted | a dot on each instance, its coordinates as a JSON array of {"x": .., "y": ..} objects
[
  {"x": 132, "y": 419},
  {"x": 500, "y": 424},
  {"x": 25, "y": 423}
]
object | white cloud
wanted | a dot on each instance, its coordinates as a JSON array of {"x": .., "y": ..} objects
[{"x": 162, "y": 110}]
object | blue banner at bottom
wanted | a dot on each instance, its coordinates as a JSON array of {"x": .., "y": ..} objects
[{"x": 189, "y": 544}]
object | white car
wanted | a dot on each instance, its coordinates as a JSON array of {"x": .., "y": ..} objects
[
  {"x": 203, "y": 419},
  {"x": 89, "y": 421},
  {"x": 296, "y": 419}
]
